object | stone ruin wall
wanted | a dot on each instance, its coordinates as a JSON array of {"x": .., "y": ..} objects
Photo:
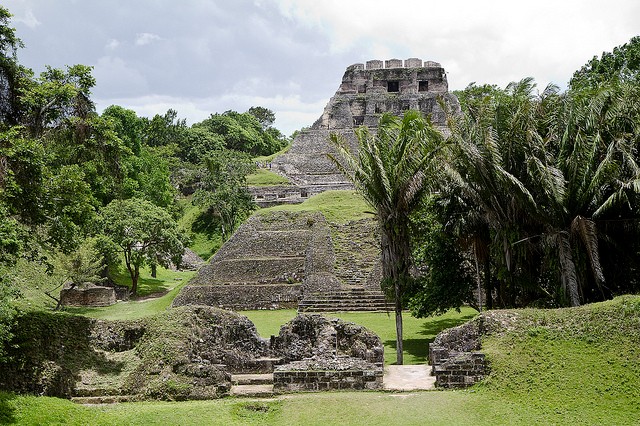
[
  {"x": 327, "y": 354},
  {"x": 268, "y": 263},
  {"x": 455, "y": 353},
  {"x": 139, "y": 359}
]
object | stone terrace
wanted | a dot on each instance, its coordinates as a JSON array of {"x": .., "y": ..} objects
[{"x": 286, "y": 260}]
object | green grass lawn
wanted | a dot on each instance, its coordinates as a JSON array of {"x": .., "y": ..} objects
[
  {"x": 457, "y": 408},
  {"x": 155, "y": 295},
  {"x": 337, "y": 206},
  {"x": 418, "y": 332}
]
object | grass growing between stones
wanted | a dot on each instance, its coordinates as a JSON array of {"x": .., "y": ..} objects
[
  {"x": 418, "y": 332},
  {"x": 337, "y": 206}
]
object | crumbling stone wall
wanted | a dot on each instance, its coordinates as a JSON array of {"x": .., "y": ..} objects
[
  {"x": 455, "y": 353},
  {"x": 87, "y": 294},
  {"x": 185, "y": 353},
  {"x": 312, "y": 336},
  {"x": 327, "y": 354}
]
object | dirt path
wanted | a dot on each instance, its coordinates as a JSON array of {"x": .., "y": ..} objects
[{"x": 408, "y": 377}]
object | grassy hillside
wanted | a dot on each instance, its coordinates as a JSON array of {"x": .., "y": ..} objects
[
  {"x": 337, "y": 206},
  {"x": 264, "y": 177},
  {"x": 205, "y": 239},
  {"x": 555, "y": 367}
]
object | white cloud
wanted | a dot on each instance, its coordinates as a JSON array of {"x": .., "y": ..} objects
[
  {"x": 142, "y": 39},
  {"x": 112, "y": 44},
  {"x": 115, "y": 76},
  {"x": 29, "y": 19},
  {"x": 491, "y": 41}
]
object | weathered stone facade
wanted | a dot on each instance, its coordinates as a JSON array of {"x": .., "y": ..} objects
[
  {"x": 275, "y": 260},
  {"x": 367, "y": 91},
  {"x": 327, "y": 354}
]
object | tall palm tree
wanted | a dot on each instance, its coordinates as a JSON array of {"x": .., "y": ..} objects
[
  {"x": 392, "y": 169},
  {"x": 596, "y": 134},
  {"x": 492, "y": 143},
  {"x": 544, "y": 168}
]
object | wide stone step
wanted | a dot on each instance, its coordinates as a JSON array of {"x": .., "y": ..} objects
[
  {"x": 311, "y": 309},
  {"x": 252, "y": 391},
  {"x": 364, "y": 298},
  {"x": 329, "y": 307},
  {"x": 252, "y": 379},
  {"x": 104, "y": 399},
  {"x": 82, "y": 391},
  {"x": 344, "y": 302},
  {"x": 262, "y": 365}
]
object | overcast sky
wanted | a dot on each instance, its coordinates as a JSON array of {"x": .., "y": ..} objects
[{"x": 201, "y": 57}]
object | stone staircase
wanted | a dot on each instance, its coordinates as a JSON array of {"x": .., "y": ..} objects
[
  {"x": 258, "y": 383},
  {"x": 353, "y": 299},
  {"x": 252, "y": 385}
]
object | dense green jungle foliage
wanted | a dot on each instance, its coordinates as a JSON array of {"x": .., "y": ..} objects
[{"x": 70, "y": 177}]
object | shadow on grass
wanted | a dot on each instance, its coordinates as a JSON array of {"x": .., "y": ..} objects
[
  {"x": 431, "y": 328},
  {"x": 7, "y": 416},
  {"x": 146, "y": 285},
  {"x": 419, "y": 348}
]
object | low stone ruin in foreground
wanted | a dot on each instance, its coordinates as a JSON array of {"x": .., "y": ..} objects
[{"x": 185, "y": 353}]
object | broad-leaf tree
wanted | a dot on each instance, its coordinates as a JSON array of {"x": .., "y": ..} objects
[
  {"x": 224, "y": 194},
  {"x": 144, "y": 232},
  {"x": 392, "y": 169}
]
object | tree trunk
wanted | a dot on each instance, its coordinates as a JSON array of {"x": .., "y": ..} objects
[
  {"x": 399, "y": 345},
  {"x": 154, "y": 270},
  {"x": 134, "y": 273},
  {"x": 134, "y": 280},
  {"x": 488, "y": 283},
  {"x": 396, "y": 257}
]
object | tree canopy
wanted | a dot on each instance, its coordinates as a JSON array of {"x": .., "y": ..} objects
[{"x": 144, "y": 233}]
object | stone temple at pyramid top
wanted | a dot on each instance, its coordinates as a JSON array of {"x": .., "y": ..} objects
[
  {"x": 365, "y": 93},
  {"x": 368, "y": 90}
]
